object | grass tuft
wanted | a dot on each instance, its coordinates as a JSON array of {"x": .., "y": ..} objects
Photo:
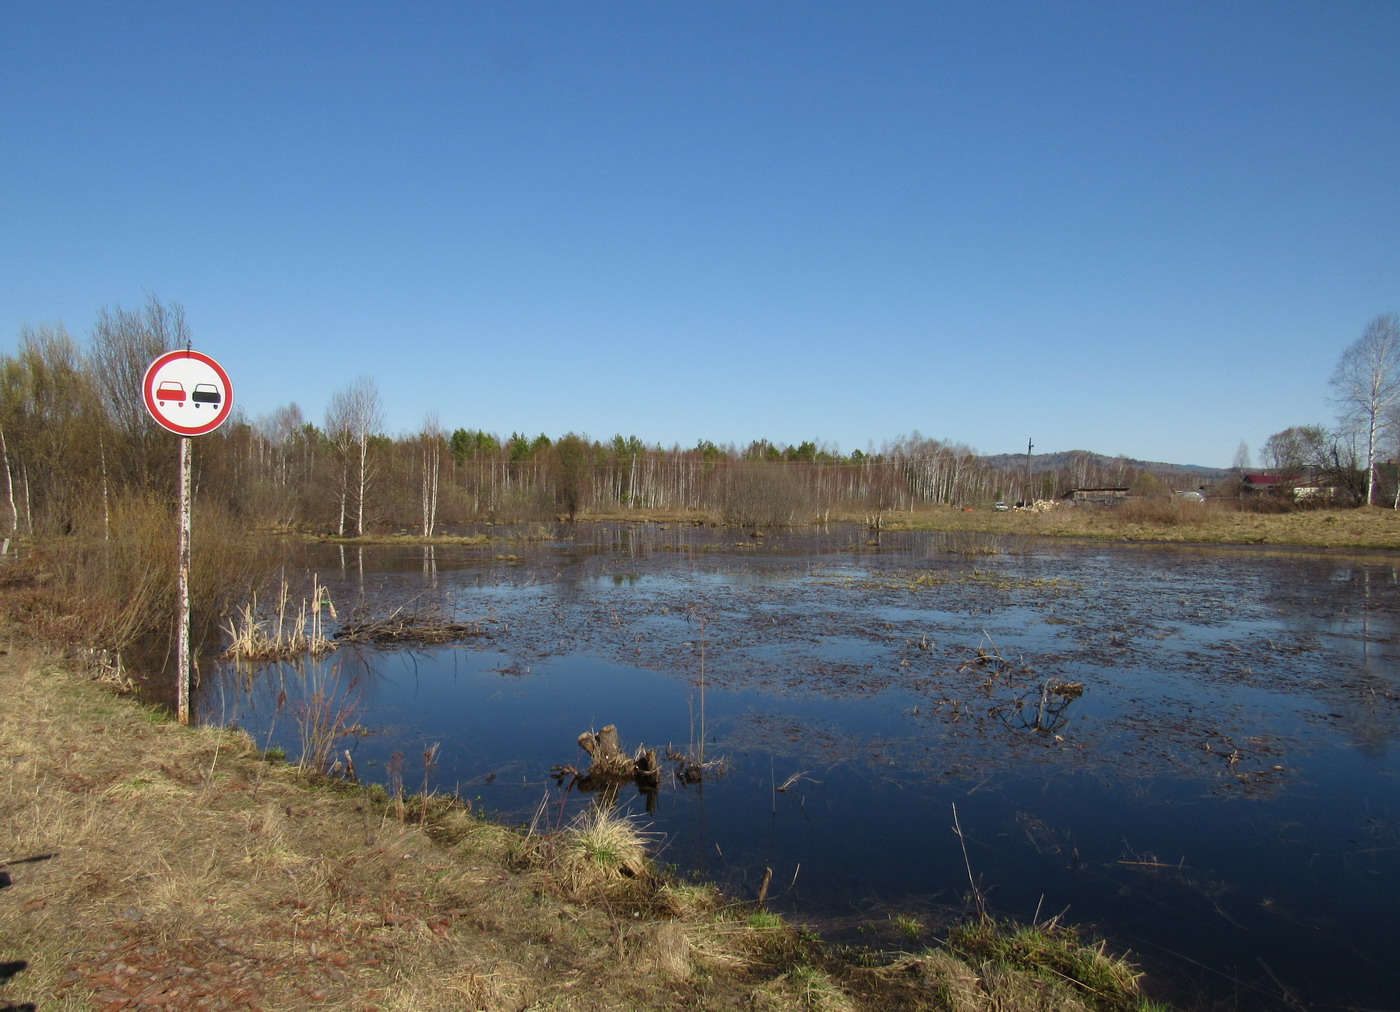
[
  {"x": 1053, "y": 955},
  {"x": 803, "y": 987},
  {"x": 602, "y": 850}
]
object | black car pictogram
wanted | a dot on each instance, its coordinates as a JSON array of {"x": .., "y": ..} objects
[{"x": 205, "y": 393}]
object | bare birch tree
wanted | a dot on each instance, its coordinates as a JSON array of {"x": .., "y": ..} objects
[
  {"x": 1367, "y": 385},
  {"x": 354, "y": 416},
  {"x": 432, "y": 440}
]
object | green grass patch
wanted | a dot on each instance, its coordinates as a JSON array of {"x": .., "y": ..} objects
[{"x": 1054, "y": 955}]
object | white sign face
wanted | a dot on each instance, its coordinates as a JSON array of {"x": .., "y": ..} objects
[{"x": 187, "y": 392}]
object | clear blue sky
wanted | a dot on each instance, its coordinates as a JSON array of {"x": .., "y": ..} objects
[{"x": 1137, "y": 228}]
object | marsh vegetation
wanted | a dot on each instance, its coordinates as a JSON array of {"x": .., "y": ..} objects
[{"x": 1129, "y": 731}]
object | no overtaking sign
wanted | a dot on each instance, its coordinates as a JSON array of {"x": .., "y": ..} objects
[{"x": 187, "y": 392}]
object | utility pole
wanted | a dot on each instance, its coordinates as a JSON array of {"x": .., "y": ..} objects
[{"x": 1026, "y": 498}]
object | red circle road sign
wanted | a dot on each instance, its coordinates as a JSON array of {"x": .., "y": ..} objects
[{"x": 187, "y": 392}]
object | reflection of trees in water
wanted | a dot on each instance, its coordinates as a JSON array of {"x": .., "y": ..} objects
[
  {"x": 1354, "y": 610},
  {"x": 1375, "y": 724},
  {"x": 817, "y": 609}
]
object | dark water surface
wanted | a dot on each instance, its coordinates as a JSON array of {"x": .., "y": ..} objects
[{"x": 1222, "y": 799}]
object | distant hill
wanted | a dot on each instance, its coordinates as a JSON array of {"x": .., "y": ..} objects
[{"x": 1068, "y": 459}]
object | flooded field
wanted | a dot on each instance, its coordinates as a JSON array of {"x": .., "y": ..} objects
[{"x": 1191, "y": 749}]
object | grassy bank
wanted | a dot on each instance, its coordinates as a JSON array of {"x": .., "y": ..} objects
[
  {"x": 146, "y": 865},
  {"x": 1366, "y": 527}
]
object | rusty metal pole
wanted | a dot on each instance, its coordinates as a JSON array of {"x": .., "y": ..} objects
[{"x": 183, "y": 631}]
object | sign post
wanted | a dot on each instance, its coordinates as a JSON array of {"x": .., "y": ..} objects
[
  {"x": 189, "y": 394},
  {"x": 182, "y": 620}
]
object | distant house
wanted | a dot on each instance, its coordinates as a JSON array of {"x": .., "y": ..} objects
[
  {"x": 1266, "y": 484},
  {"x": 1107, "y": 496},
  {"x": 1286, "y": 486}
]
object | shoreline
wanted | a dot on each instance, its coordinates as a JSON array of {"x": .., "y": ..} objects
[
  {"x": 1371, "y": 529},
  {"x": 153, "y": 865}
]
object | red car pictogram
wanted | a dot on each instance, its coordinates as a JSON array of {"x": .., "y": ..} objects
[{"x": 169, "y": 390}]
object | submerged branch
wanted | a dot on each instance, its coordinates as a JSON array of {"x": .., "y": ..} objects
[{"x": 411, "y": 627}]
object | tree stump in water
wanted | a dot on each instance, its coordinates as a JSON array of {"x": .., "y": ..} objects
[
  {"x": 606, "y": 752},
  {"x": 612, "y": 766}
]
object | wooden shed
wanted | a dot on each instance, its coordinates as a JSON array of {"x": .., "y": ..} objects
[{"x": 1106, "y": 496}]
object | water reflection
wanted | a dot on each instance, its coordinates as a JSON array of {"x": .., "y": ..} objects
[{"x": 1192, "y": 748}]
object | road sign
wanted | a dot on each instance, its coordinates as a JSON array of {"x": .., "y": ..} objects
[{"x": 187, "y": 392}]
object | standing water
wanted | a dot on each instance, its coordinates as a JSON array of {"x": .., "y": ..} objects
[{"x": 1191, "y": 749}]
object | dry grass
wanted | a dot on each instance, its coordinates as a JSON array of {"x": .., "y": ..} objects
[
  {"x": 469, "y": 541},
  {"x": 510, "y": 533},
  {"x": 1366, "y": 527},
  {"x": 1147, "y": 520}
]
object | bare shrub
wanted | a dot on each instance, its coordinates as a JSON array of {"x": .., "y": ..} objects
[
  {"x": 326, "y": 712},
  {"x": 1267, "y": 504},
  {"x": 518, "y": 505},
  {"x": 766, "y": 495},
  {"x": 1167, "y": 512},
  {"x": 111, "y": 582},
  {"x": 103, "y": 593}
]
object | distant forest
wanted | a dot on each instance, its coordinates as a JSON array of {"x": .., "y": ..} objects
[{"x": 76, "y": 443}]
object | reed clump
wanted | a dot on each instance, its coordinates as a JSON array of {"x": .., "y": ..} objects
[{"x": 288, "y": 632}]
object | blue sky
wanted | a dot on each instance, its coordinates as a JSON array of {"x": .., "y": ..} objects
[{"x": 1137, "y": 228}]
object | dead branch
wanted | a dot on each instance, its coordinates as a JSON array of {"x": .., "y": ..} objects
[{"x": 408, "y": 627}]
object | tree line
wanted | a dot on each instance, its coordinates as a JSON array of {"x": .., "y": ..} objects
[{"x": 76, "y": 440}]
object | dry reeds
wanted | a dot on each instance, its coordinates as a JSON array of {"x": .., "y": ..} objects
[
  {"x": 325, "y": 713},
  {"x": 692, "y": 767},
  {"x": 286, "y": 633}
]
